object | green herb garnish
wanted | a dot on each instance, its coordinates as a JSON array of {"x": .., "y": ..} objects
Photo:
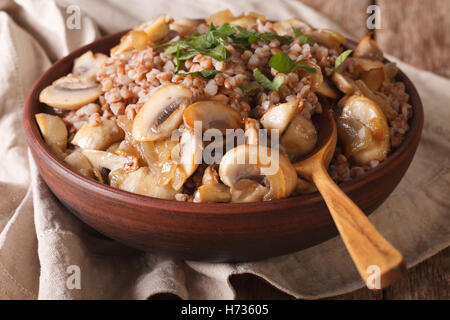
[
  {"x": 247, "y": 88},
  {"x": 208, "y": 74},
  {"x": 303, "y": 38},
  {"x": 283, "y": 63},
  {"x": 266, "y": 83},
  {"x": 339, "y": 60}
]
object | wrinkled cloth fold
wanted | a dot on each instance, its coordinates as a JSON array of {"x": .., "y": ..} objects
[{"x": 40, "y": 240}]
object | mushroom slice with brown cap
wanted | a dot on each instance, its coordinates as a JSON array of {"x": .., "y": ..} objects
[
  {"x": 70, "y": 93},
  {"x": 162, "y": 113},
  {"x": 78, "y": 162},
  {"x": 368, "y": 113},
  {"x": 246, "y": 190},
  {"x": 278, "y": 117},
  {"x": 87, "y": 65},
  {"x": 300, "y": 137},
  {"x": 54, "y": 131},
  {"x": 97, "y": 136},
  {"x": 212, "y": 114},
  {"x": 141, "y": 181},
  {"x": 368, "y": 48},
  {"x": 264, "y": 165},
  {"x": 285, "y": 27}
]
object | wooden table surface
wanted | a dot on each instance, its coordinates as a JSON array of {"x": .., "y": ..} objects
[{"x": 417, "y": 32}]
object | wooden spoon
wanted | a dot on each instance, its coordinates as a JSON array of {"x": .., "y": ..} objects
[{"x": 366, "y": 245}]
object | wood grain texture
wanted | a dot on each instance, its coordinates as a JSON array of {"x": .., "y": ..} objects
[
  {"x": 417, "y": 32},
  {"x": 350, "y": 14}
]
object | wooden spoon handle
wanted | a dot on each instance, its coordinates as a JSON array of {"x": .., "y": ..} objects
[{"x": 370, "y": 251}]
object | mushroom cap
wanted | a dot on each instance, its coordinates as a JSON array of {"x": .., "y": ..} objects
[
  {"x": 213, "y": 115},
  {"x": 368, "y": 48},
  {"x": 212, "y": 192},
  {"x": 70, "y": 93},
  {"x": 148, "y": 32},
  {"x": 97, "y": 136},
  {"x": 328, "y": 38},
  {"x": 54, "y": 131},
  {"x": 261, "y": 164},
  {"x": 78, "y": 162},
  {"x": 300, "y": 137},
  {"x": 368, "y": 113},
  {"x": 88, "y": 64},
  {"x": 162, "y": 113},
  {"x": 278, "y": 117},
  {"x": 142, "y": 181}
]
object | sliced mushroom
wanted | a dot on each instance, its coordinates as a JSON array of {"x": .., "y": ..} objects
[
  {"x": 300, "y": 137},
  {"x": 70, "y": 93},
  {"x": 278, "y": 117},
  {"x": 54, "y": 132},
  {"x": 264, "y": 165},
  {"x": 221, "y": 17},
  {"x": 368, "y": 113},
  {"x": 252, "y": 128},
  {"x": 110, "y": 161},
  {"x": 246, "y": 190},
  {"x": 373, "y": 78},
  {"x": 344, "y": 83},
  {"x": 162, "y": 113},
  {"x": 353, "y": 135},
  {"x": 87, "y": 65},
  {"x": 285, "y": 27},
  {"x": 97, "y": 136},
  {"x": 247, "y": 21},
  {"x": 190, "y": 152},
  {"x": 141, "y": 181},
  {"x": 327, "y": 90},
  {"x": 316, "y": 78},
  {"x": 328, "y": 38},
  {"x": 380, "y": 99},
  {"x": 368, "y": 48},
  {"x": 210, "y": 175},
  {"x": 78, "y": 162},
  {"x": 213, "y": 192},
  {"x": 184, "y": 26},
  {"x": 148, "y": 32},
  {"x": 156, "y": 28},
  {"x": 212, "y": 114}
]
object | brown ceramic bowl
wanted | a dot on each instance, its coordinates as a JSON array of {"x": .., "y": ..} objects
[{"x": 211, "y": 232}]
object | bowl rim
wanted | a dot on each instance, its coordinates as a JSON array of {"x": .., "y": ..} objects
[{"x": 37, "y": 143}]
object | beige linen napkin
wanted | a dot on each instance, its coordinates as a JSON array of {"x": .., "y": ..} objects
[{"x": 40, "y": 241}]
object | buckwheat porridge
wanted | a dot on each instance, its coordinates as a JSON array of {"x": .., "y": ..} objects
[{"x": 146, "y": 118}]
